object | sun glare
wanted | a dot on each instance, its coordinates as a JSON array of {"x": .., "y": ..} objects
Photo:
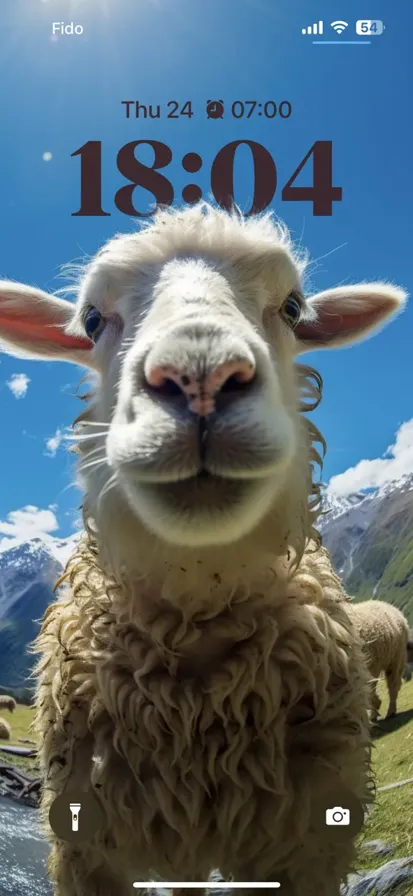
[{"x": 73, "y": 5}]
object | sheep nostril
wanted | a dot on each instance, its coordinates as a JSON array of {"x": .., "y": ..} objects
[
  {"x": 233, "y": 390},
  {"x": 168, "y": 389},
  {"x": 234, "y": 384},
  {"x": 205, "y": 393},
  {"x": 167, "y": 382}
]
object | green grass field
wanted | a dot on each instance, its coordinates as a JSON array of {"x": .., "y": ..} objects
[
  {"x": 392, "y": 817},
  {"x": 20, "y": 721}
]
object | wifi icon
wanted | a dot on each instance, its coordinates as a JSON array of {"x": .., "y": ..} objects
[{"x": 339, "y": 27}]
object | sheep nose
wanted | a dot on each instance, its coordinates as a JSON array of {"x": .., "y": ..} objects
[{"x": 202, "y": 390}]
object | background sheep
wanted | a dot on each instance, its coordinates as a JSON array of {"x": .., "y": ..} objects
[
  {"x": 201, "y": 674},
  {"x": 5, "y": 730},
  {"x": 7, "y": 702},
  {"x": 407, "y": 672},
  {"x": 385, "y": 633}
]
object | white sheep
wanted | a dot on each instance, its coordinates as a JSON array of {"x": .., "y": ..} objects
[
  {"x": 7, "y": 702},
  {"x": 384, "y": 631},
  {"x": 201, "y": 674},
  {"x": 5, "y": 730}
]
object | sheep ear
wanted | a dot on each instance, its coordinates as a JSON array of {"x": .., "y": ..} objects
[
  {"x": 32, "y": 325},
  {"x": 347, "y": 314}
]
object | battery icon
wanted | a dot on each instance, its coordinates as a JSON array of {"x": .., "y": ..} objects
[{"x": 369, "y": 26}]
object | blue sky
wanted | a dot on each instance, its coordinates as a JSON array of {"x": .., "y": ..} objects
[{"x": 58, "y": 94}]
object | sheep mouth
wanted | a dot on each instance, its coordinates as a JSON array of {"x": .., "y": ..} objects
[
  {"x": 204, "y": 489},
  {"x": 205, "y": 476},
  {"x": 202, "y": 479}
]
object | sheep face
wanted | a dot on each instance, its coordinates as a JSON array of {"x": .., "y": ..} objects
[
  {"x": 203, "y": 433},
  {"x": 192, "y": 326}
]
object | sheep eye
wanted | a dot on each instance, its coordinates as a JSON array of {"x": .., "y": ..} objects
[
  {"x": 94, "y": 323},
  {"x": 291, "y": 310}
]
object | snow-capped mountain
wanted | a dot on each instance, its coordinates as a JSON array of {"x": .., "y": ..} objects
[
  {"x": 369, "y": 536},
  {"x": 20, "y": 568},
  {"x": 365, "y": 502},
  {"x": 28, "y": 572}
]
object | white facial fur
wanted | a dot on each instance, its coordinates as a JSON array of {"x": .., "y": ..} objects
[
  {"x": 194, "y": 432},
  {"x": 195, "y": 311}
]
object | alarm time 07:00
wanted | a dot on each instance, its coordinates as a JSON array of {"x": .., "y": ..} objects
[{"x": 215, "y": 108}]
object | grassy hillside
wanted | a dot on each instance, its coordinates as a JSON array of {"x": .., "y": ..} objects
[
  {"x": 396, "y": 584},
  {"x": 20, "y": 721},
  {"x": 392, "y": 816}
]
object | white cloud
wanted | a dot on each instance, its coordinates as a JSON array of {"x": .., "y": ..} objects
[
  {"x": 28, "y": 522},
  {"x": 397, "y": 461},
  {"x": 18, "y": 384},
  {"x": 53, "y": 443}
]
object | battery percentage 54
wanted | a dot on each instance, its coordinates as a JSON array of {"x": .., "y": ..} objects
[{"x": 369, "y": 26}]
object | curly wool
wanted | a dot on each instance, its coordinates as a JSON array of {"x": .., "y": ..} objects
[
  {"x": 196, "y": 732},
  {"x": 5, "y": 730},
  {"x": 384, "y": 632},
  {"x": 7, "y": 702}
]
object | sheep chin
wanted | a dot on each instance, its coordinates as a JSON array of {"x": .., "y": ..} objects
[{"x": 204, "y": 510}]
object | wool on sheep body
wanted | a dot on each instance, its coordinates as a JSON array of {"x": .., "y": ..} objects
[
  {"x": 7, "y": 702},
  {"x": 5, "y": 730},
  {"x": 199, "y": 761},
  {"x": 384, "y": 632},
  {"x": 200, "y": 671}
]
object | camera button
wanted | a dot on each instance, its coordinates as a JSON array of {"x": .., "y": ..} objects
[{"x": 338, "y": 815}]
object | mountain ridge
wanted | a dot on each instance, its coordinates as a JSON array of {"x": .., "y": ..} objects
[
  {"x": 370, "y": 539},
  {"x": 368, "y": 534}
]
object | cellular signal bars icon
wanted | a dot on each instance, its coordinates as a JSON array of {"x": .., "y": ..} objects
[{"x": 313, "y": 29}]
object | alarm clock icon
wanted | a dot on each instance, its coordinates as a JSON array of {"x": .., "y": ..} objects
[{"x": 215, "y": 108}]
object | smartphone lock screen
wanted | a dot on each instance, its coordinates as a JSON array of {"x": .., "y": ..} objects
[{"x": 206, "y": 449}]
